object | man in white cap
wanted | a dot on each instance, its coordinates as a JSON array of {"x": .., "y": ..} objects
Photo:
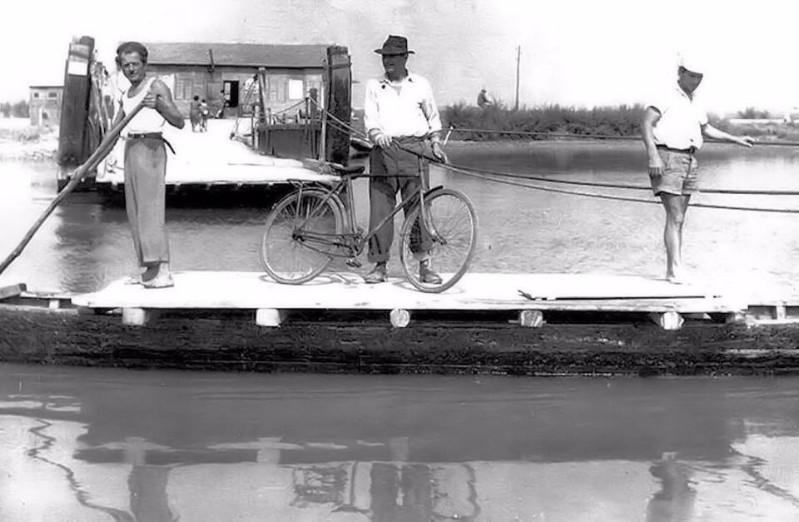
[
  {"x": 400, "y": 115},
  {"x": 672, "y": 129}
]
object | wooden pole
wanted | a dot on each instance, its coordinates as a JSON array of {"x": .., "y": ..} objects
[
  {"x": 72, "y": 148},
  {"x": 338, "y": 103},
  {"x": 518, "y": 60},
  {"x": 105, "y": 147}
]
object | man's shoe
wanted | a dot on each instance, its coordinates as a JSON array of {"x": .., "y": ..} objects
[
  {"x": 378, "y": 274},
  {"x": 161, "y": 279},
  {"x": 426, "y": 274}
]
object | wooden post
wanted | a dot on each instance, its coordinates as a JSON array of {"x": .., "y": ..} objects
[
  {"x": 338, "y": 104},
  {"x": 75, "y": 103}
]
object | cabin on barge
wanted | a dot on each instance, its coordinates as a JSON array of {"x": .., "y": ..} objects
[{"x": 271, "y": 107}]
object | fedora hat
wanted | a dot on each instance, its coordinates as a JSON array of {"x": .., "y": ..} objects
[{"x": 394, "y": 45}]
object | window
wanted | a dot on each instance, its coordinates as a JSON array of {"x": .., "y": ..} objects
[
  {"x": 52, "y": 95},
  {"x": 296, "y": 90},
  {"x": 35, "y": 94}
]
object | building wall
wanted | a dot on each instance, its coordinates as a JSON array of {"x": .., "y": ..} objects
[
  {"x": 45, "y": 105},
  {"x": 285, "y": 87}
]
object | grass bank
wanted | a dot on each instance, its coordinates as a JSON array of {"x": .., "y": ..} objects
[{"x": 497, "y": 122}]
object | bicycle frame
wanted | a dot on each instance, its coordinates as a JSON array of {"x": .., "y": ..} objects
[{"x": 351, "y": 238}]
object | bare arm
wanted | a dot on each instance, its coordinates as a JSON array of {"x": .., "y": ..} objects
[
  {"x": 160, "y": 99},
  {"x": 712, "y": 132},
  {"x": 651, "y": 117}
]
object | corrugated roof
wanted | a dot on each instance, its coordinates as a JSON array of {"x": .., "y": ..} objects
[{"x": 251, "y": 55}]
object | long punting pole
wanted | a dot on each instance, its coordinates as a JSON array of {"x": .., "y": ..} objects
[{"x": 105, "y": 147}]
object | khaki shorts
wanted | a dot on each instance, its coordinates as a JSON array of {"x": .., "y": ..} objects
[{"x": 679, "y": 174}]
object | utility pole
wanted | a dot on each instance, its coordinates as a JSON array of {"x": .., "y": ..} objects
[{"x": 518, "y": 60}]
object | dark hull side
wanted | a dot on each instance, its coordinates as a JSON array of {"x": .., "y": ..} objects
[{"x": 314, "y": 342}]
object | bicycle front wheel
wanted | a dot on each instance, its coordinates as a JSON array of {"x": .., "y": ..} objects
[
  {"x": 300, "y": 233},
  {"x": 447, "y": 238}
]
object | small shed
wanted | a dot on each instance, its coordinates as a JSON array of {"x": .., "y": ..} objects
[
  {"x": 45, "y": 104},
  {"x": 224, "y": 74}
]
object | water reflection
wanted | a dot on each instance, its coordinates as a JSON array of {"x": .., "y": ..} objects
[{"x": 116, "y": 445}]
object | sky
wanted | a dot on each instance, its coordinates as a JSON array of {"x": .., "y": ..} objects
[{"x": 580, "y": 53}]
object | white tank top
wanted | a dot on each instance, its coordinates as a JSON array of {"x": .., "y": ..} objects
[{"x": 147, "y": 120}]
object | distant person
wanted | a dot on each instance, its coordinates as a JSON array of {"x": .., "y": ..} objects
[
  {"x": 145, "y": 162},
  {"x": 222, "y": 104},
  {"x": 399, "y": 109},
  {"x": 205, "y": 113},
  {"x": 672, "y": 129},
  {"x": 194, "y": 113},
  {"x": 483, "y": 100}
]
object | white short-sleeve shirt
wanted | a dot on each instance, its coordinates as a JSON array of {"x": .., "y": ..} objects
[{"x": 681, "y": 120}]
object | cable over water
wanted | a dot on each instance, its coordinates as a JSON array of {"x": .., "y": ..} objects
[{"x": 507, "y": 177}]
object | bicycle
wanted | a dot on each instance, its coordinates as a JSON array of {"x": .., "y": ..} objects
[{"x": 314, "y": 224}]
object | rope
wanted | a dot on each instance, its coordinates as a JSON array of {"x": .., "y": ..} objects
[
  {"x": 627, "y": 186},
  {"x": 493, "y": 175},
  {"x": 615, "y": 198},
  {"x": 597, "y": 136}
]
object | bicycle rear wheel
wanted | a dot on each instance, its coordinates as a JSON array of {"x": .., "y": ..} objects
[
  {"x": 452, "y": 223},
  {"x": 300, "y": 235}
]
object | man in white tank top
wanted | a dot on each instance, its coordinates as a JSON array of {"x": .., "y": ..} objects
[{"x": 145, "y": 162}]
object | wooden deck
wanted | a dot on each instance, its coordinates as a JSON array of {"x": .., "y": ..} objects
[
  {"x": 531, "y": 295},
  {"x": 213, "y": 158},
  {"x": 569, "y": 324}
]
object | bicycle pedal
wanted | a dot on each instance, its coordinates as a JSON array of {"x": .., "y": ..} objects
[{"x": 353, "y": 263}]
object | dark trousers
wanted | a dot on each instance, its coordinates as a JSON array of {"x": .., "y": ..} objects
[
  {"x": 145, "y": 198},
  {"x": 394, "y": 170}
]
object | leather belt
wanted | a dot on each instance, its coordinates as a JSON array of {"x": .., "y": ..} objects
[
  {"x": 689, "y": 150},
  {"x": 150, "y": 135},
  {"x": 141, "y": 135}
]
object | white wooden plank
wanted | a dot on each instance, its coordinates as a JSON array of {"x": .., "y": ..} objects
[{"x": 253, "y": 290}]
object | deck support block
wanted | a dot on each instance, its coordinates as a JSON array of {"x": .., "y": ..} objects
[
  {"x": 400, "y": 318},
  {"x": 735, "y": 318},
  {"x": 667, "y": 320},
  {"x": 137, "y": 316},
  {"x": 531, "y": 318},
  {"x": 270, "y": 317}
]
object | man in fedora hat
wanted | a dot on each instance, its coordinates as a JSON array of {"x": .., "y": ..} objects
[
  {"x": 672, "y": 129},
  {"x": 402, "y": 121}
]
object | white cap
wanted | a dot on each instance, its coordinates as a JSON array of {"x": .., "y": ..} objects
[{"x": 693, "y": 61}]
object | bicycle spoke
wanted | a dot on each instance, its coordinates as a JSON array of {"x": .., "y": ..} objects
[
  {"x": 451, "y": 221},
  {"x": 299, "y": 234}
]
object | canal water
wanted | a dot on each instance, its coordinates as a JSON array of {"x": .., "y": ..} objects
[
  {"x": 86, "y": 242},
  {"x": 85, "y": 444}
]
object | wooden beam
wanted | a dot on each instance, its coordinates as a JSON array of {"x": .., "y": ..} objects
[
  {"x": 12, "y": 290},
  {"x": 339, "y": 104},
  {"x": 75, "y": 103}
]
